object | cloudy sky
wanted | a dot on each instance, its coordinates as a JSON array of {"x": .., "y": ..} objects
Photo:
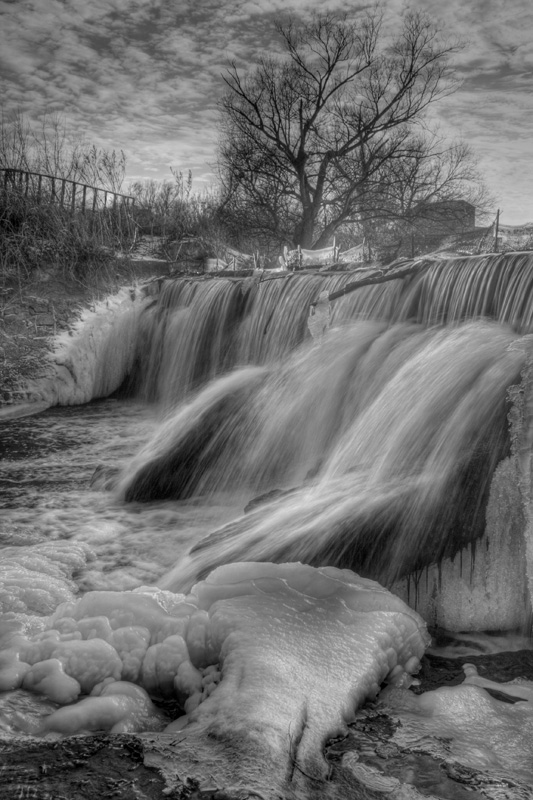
[{"x": 144, "y": 76}]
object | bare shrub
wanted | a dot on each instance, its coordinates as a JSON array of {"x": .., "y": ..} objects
[{"x": 47, "y": 218}]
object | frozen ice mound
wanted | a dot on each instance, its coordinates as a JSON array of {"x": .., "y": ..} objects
[{"x": 266, "y": 662}]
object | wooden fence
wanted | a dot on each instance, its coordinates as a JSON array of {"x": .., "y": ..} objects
[{"x": 71, "y": 195}]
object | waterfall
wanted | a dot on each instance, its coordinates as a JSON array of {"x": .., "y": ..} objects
[
  {"x": 200, "y": 328},
  {"x": 378, "y": 446},
  {"x": 387, "y": 437},
  {"x": 377, "y": 449},
  {"x": 162, "y": 341},
  {"x": 395, "y": 440}
]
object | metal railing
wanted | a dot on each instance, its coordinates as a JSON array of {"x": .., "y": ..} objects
[{"x": 75, "y": 196}]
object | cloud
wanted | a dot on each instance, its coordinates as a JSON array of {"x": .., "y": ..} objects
[{"x": 145, "y": 75}]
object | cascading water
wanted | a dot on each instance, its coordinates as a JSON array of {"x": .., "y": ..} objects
[
  {"x": 198, "y": 329},
  {"x": 388, "y": 432},
  {"x": 400, "y": 428},
  {"x": 384, "y": 447}
]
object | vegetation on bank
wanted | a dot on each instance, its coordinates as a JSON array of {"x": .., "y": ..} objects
[
  {"x": 40, "y": 228},
  {"x": 60, "y": 212},
  {"x": 60, "y": 253}
]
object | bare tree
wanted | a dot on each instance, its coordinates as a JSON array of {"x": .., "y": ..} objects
[
  {"x": 429, "y": 188},
  {"x": 304, "y": 136},
  {"x": 173, "y": 210}
]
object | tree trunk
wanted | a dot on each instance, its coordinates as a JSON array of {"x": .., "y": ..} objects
[
  {"x": 326, "y": 237},
  {"x": 303, "y": 234}
]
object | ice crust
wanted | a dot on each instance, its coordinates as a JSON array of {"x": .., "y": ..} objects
[
  {"x": 37, "y": 579},
  {"x": 92, "y": 358},
  {"x": 466, "y": 725},
  {"x": 279, "y": 655}
]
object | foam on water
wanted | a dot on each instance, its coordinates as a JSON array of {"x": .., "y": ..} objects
[{"x": 45, "y": 477}]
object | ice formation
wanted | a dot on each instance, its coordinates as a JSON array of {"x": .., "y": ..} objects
[
  {"x": 93, "y": 358},
  {"x": 38, "y": 578},
  {"x": 265, "y": 661},
  {"x": 473, "y": 727}
]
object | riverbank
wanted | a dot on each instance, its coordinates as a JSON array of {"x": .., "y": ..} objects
[{"x": 33, "y": 313}]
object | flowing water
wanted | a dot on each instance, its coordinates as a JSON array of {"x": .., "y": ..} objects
[
  {"x": 46, "y": 495},
  {"x": 382, "y": 445},
  {"x": 387, "y": 430}
]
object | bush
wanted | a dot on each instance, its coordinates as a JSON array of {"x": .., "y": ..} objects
[
  {"x": 40, "y": 234},
  {"x": 185, "y": 220}
]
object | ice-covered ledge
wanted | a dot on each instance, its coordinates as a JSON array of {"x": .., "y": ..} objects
[{"x": 92, "y": 358}]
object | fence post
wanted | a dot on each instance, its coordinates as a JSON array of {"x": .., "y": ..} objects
[{"x": 73, "y": 198}]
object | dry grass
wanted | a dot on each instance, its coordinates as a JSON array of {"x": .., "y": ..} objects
[{"x": 37, "y": 234}]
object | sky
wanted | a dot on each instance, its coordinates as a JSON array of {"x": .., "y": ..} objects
[{"x": 144, "y": 76}]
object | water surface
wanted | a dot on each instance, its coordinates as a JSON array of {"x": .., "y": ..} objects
[{"x": 46, "y": 465}]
